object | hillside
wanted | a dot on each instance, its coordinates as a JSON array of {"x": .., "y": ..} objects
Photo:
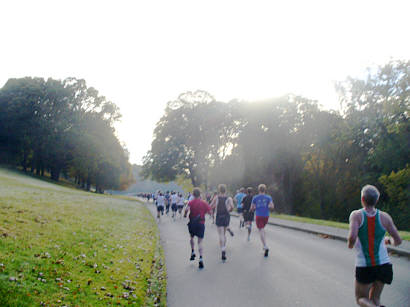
[{"x": 61, "y": 246}]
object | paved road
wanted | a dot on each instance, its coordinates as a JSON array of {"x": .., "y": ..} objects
[{"x": 302, "y": 270}]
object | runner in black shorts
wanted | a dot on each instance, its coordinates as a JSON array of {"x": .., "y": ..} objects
[
  {"x": 248, "y": 215},
  {"x": 197, "y": 209},
  {"x": 223, "y": 205},
  {"x": 367, "y": 229},
  {"x": 160, "y": 205}
]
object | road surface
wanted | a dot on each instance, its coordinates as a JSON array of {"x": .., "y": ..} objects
[{"x": 302, "y": 270}]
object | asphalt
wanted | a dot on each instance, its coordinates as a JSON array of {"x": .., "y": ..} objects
[{"x": 303, "y": 269}]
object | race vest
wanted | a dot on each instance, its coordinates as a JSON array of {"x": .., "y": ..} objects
[{"x": 370, "y": 244}]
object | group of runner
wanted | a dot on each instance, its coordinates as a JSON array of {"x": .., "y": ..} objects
[
  {"x": 221, "y": 205},
  {"x": 165, "y": 201},
  {"x": 367, "y": 230}
]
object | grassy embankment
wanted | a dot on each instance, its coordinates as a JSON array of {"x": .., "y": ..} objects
[
  {"x": 61, "y": 246},
  {"x": 405, "y": 235}
]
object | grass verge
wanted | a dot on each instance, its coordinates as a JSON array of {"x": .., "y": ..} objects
[
  {"x": 65, "y": 247},
  {"x": 405, "y": 235}
]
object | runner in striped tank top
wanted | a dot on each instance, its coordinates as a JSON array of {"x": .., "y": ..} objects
[{"x": 367, "y": 234}]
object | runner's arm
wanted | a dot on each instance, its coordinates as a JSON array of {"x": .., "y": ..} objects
[
  {"x": 353, "y": 229},
  {"x": 213, "y": 202},
  {"x": 230, "y": 204},
  {"x": 271, "y": 205},
  {"x": 388, "y": 223},
  {"x": 186, "y": 211}
]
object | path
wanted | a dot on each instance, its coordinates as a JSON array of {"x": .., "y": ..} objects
[{"x": 294, "y": 274}]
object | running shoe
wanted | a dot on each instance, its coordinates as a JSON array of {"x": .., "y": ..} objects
[
  {"x": 230, "y": 232},
  {"x": 201, "y": 264},
  {"x": 192, "y": 257},
  {"x": 266, "y": 252},
  {"x": 223, "y": 256}
]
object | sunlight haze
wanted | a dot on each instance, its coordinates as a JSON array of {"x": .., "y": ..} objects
[{"x": 142, "y": 54}]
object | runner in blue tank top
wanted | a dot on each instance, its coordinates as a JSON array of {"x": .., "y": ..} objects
[
  {"x": 262, "y": 204},
  {"x": 367, "y": 229}
]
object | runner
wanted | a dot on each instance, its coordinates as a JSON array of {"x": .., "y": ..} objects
[
  {"x": 223, "y": 205},
  {"x": 238, "y": 202},
  {"x": 167, "y": 202},
  {"x": 174, "y": 200},
  {"x": 197, "y": 209},
  {"x": 247, "y": 212},
  {"x": 367, "y": 229},
  {"x": 261, "y": 204},
  {"x": 180, "y": 204},
  {"x": 160, "y": 205}
]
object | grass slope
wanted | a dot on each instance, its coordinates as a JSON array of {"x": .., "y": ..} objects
[{"x": 64, "y": 247}]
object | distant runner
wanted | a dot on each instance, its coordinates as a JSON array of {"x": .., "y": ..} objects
[
  {"x": 167, "y": 202},
  {"x": 160, "y": 205},
  {"x": 238, "y": 202},
  {"x": 174, "y": 201},
  {"x": 180, "y": 203},
  {"x": 197, "y": 209},
  {"x": 261, "y": 204},
  {"x": 367, "y": 229},
  {"x": 248, "y": 214},
  {"x": 223, "y": 205}
]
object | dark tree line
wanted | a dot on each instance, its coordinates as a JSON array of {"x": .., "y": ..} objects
[
  {"x": 314, "y": 161},
  {"x": 62, "y": 127}
]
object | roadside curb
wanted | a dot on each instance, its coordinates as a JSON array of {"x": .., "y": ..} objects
[{"x": 394, "y": 250}]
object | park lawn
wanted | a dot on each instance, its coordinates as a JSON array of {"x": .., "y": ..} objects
[
  {"x": 61, "y": 246},
  {"x": 405, "y": 235}
]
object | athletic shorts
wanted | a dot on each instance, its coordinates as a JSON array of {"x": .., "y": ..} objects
[
  {"x": 368, "y": 275},
  {"x": 160, "y": 208},
  {"x": 222, "y": 220},
  {"x": 248, "y": 216},
  {"x": 239, "y": 210},
  {"x": 180, "y": 207},
  {"x": 174, "y": 207},
  {"x": 261, "y": 221},
  {"x": 196, "y": 229}
]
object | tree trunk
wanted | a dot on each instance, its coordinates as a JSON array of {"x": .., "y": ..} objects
[{"x": 55, "y": 173}]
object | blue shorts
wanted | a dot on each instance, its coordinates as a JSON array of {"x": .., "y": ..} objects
[
  {"x": 196, "y": 229},
  {"x": 160, "y": 208},
  {"x": 239, "y": 210}
]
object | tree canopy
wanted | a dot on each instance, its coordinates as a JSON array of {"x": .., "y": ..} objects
[
  {"x": 313, "y": 161},
  {"x": 62, "y": 127}
]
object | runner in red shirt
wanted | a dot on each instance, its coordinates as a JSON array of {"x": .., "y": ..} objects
[{"x": 197, "y": 209}]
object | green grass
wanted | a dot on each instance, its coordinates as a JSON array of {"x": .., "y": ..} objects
[
  {"x": 405, "y": 235},
  {"x": 62, "y": 246}
]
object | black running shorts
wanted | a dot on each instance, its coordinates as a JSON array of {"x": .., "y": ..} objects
[
  {"x": 368, "y": 275},
  {"x": 196, "y": 229},
  {"x": 248, "y": 216},
  {"x": 222, "y": 220},
  {"x": 160, "y": 208}
]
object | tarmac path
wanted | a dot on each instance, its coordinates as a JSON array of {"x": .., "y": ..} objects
[{"x": 302, "y": 269}]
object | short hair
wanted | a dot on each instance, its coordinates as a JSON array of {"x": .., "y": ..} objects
[
  {"x": 370, "y": 194},
  {"x": 242, "y": 189},
  {"x": 196, "y": 192},
  {"x": 250, "y": 190},
  {"x": 262, "y": 188},
  {"x": 222, "y": 188}
]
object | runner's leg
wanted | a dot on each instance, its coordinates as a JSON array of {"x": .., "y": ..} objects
[
  {"x": 376, "y": 291},
  {"x": 192, "y": 242},
  {"x": 362, "y": 295}
]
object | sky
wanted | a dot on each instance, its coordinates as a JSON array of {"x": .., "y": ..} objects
[{"x": 142, "y": 54}]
